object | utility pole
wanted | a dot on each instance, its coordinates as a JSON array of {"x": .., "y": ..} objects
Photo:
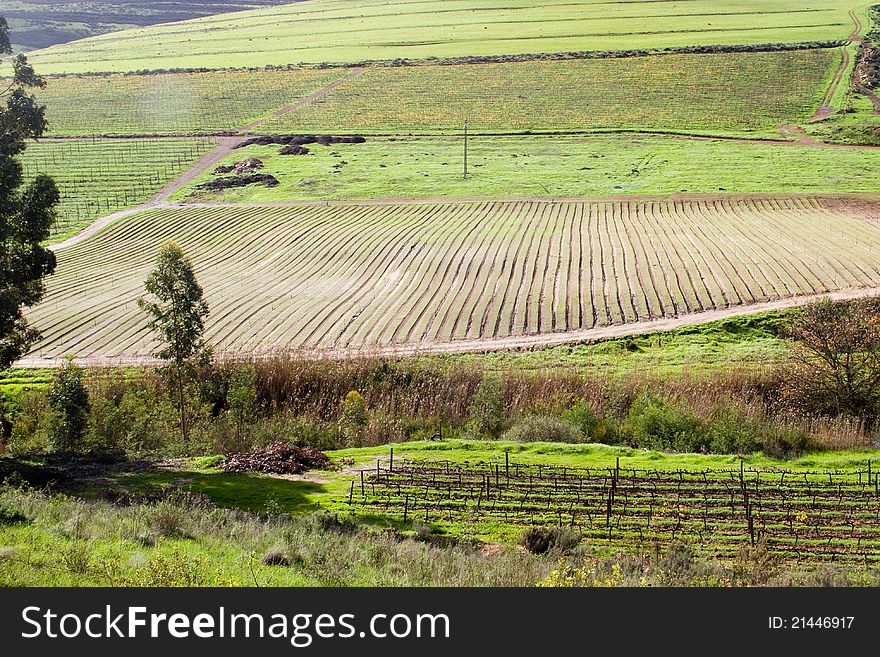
[{"x": 465, "y": 149}]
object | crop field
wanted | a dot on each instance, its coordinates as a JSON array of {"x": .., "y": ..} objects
[
  {"x": 97, "y": 177},
  {"x": 349, "y": 31},
  {"x": 546, "y": 167},
  {"x": 342, "y": 277},
  {"x": 690, "y": 92},
  {"x": 801, "y": 516},
  {"x": 174, "y": 103}
]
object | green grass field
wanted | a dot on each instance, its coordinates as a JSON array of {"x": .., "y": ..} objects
[
  {"x": 181, "y": 104},
  {"x": 749, "y": 342},
  {"x": 356, "y": 30},
  {"x": 547, "y": 166},
  {"x": 99, "y": 176},
  {"x": 421, "y": 274},
  {"x": 686, "y": 92}
]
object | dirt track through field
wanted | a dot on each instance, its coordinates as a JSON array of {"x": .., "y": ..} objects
[
  {"x": 825, "y": 110},
  {"x": 320, "y": 93}
]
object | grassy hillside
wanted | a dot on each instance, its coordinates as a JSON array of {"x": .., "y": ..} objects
[
  {"x": 546, "y": 166},
  {"x": 727, "y": 91},
  {"x": 356, "y": 30},
  {"x": 185, "y": 103},
  {"x": 42, "y": 23}
]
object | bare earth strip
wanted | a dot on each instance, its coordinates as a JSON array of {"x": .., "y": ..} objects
[{"x": 352, "y": 278}]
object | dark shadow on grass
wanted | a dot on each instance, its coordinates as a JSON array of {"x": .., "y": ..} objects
[{"x": 249, "y": 492}]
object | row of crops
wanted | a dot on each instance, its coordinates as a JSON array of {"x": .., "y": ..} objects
[
  {"x": 174, "y": 104},
  {"x": 742, "y": 91},
  {"x": 710, "y": 92},
  {"x": 99, "y": 176},
  {"x": 368, "y": 31},
  {"x": 354, "y": 276},
  {"x": 799, "y": 516}
]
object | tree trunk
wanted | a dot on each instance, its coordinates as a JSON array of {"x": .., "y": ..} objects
[{"x": 182, "y": 407}]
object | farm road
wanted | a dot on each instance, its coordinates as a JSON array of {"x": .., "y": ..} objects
[
  {"x": 825, "y": 110},
  {"x": 517, "y": 343}
]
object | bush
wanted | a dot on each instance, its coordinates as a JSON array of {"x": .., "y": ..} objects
[
  {"x": 10, "y": 516},
  {"x": 29, "y": 428},
  {"x": 732, "y": 431},
  {"x": 275, "y": 557},
  {"x": 537, "y": 428},
  {"x": 69, "y": 402},
  {"x": 582, "y": 415},
  {"x": 353, "y": 419},
  {"x": 540, "y": 540},
  {"x": 785, "y": 442},
  {"x": 658, "y": 424},
  {"x": 486, "y": 410}
]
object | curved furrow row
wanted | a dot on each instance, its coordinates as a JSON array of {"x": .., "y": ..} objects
[{"x": 403, "y": 274}]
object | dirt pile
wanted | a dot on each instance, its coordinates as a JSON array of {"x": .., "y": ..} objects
[
  {"x": 277, "y": 458},
  {"x": 228, "y": 182},
  {"x": 249, "y": 165},
  {"x": 296, "y": 144}
]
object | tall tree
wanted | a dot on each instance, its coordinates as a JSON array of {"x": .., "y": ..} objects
[
  {"x": 835, "y": 365},
  {"x": 26, "y": 211},
  {"x": 177, "y": 312}
]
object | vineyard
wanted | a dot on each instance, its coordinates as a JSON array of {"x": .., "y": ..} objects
[
  {"x": 99, "y": 176},
  {"x": 326, "y": 276},
  {"x": 180, "y": 103},
  {"x": 354, "y": 31},
  {"x": 717, "y": 92},
  {"x": 799, "y": 516}
]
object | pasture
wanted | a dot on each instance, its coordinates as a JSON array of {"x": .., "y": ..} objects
[
  {"x": 546, "y": 167},
  {"x": 173, "y": 104},
  {"x": 346, "y": 31},
  {"x": 726, "y": 92},
  {"x": 452, "y": 275},
  {"x": 97, "y": 177}
]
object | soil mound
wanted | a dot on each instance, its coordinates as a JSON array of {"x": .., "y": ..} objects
[
  {"x": 228, "y": 182},
  {"x": 277, "y": 458},
  {"x": 249, "y": 165}
]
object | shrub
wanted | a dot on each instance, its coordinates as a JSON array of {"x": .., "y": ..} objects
[
  {"x": 177, "y": 569},
  {"x": 536, "y": 428},
  {"x": 10, "y": 516},
  {"x": 658, "y": 424},
  {"x": 783, "y": 442},
  {"x": 29, "y": 427},
  {"x": 540, "y": 540},
  {"x": 354, "y": 418},
  {"x": 275, "y": 557},
  {"x": 168, "y": 520},
  {"x": 241, "y": 399},
  {"x": 582, "y": 415},
  {"x": 732, "y": 431},
  {"x": 330, "y": 522},
  {"x": 486, "y": 410},
  {"x": 674, "y": 567},
  {"x": 69, "y": 401}
]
